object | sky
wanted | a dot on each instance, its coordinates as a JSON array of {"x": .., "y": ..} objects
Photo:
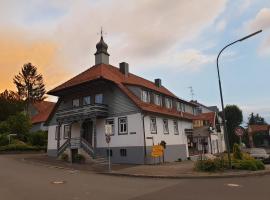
[{"x": 177, "y": 41}]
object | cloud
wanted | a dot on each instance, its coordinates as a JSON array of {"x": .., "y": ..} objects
[
  {"x": 261, "y": 21},
  {"x": 60, "y": 37},
  {"x": 16, "y": 50},
  {"x": 221, "y": 25}
]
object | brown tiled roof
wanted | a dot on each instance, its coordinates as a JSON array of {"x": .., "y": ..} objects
[
  {"x": 258, "y": 128},
  {"x": 44, "y": 109},
  {"x": 113, "y": 74},
  {"x": 210, "y": 117},
  {"x": 108, "y": 72}
]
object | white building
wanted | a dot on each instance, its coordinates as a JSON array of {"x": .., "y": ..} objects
[{"x": 141, "y": 112}]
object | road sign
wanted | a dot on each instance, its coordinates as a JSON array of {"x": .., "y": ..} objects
[
  {"x": 157, "y": 151},
  {"x": 108, "y": 129},
  {"x": 239, "y": 131},
  {"x": 108, "y": 139}
]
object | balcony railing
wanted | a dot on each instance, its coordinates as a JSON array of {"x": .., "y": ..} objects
[{"x": 82, "y": 112}]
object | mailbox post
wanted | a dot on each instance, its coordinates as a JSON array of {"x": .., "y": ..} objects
[{"x": 108, "y": 134}]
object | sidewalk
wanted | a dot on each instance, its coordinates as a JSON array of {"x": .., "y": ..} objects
[{"x": 174, "y": 170}]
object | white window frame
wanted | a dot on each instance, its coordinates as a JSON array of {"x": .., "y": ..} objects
[
  {"x": 145, "y": 96},
  {"x": 122, "y": 125},
  {"x": 175, "y": 127},
  {"x": 165, "y": 126},
  {"x": 86, "y": 103},
  {"x": 99, "y": 97},
  {"x": 75, "y": 103},
  {"x": 112, "y": 123},
  {"x": 57, "y": 128},
  {"x": 67, "y": 131},
  {"x": 178, "y": 106},
  {"x": 158, "y": 99},
  {"x": 153, "y": 125},
  {"x": 183, "y": 107},
  {"x": 168, "y": 103}
]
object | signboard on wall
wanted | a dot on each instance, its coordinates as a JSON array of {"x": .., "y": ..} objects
[{"x": 157, "y": 151}]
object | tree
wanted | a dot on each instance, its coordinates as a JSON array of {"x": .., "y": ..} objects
[
  {"x": 256, "y": 119},
  {"x": 19, "y": 124},
  {"x": 30, "y": 84},
  {"x": 234, "y": 118},
  {"x": 10, "y": 104}
]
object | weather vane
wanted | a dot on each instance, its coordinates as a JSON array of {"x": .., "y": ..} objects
[{"x": 102, "y": 32}]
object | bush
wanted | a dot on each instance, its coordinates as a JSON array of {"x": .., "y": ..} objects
[
  {"x": 209, "y": 165},
  {"x": 237, "y": 154},
  {"x": 38, "y": 138},
  {"x": 20, "y": 147},
  {"x": 252, "y": 165},
  {"x": 64, "y": 157},
  {"x": 79, "y": 158},
  {"x": 4, "y": 140}
]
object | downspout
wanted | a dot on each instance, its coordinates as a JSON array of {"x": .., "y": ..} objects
[{"x": 144, "y": 139}]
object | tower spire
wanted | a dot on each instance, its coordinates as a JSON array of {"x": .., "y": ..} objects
[{"x": 101, "y": 55}]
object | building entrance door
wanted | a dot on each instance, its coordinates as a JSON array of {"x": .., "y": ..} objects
[{"x": 87, "y": 131}]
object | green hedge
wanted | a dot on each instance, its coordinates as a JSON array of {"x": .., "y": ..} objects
[
  {"x": 220, "y": 164},
  {"x": 20, "y": 147}
]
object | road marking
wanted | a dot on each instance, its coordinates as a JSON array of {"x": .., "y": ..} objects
[
  {"x": 58, "y": 182},
  {"x": 233, "y": 185}
]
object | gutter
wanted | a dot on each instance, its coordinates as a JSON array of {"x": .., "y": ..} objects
[{"x": 144, "y": 139}]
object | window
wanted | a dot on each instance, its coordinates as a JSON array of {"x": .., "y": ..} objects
[
  {"x": 76, "y": 102},
  {"x": 123, "y": 152},
  {"x": 165, "y": 126},
  {"x": 153, "y": 125},
  {"x": 168, "y": 103},
  {"x": 111, "y": 153},
  {"x": 145, "y": 96},
  {"x": 175, "y": 127},
  {"x": 157, "y": 99},
  {"x": 99, "y": 98},
  {"x": 178, "y": 106},
  {"x": 183, "y": 107},
  {"x": 86, "y": 100},
  {"x": 57, "y": 134},
  {"x": 67, "y": 131},
  {"x": 111, "y": 122},
  {"x": 122, "y": 126}
]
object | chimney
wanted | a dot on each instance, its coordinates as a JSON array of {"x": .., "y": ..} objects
[
  {"x": 158, "y": 82},
  {"x": 124, "y": 68}
]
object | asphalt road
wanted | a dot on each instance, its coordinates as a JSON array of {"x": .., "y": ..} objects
[{"x": 23, "y": 181}]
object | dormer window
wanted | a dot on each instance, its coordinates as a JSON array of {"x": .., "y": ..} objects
[
  {"x": 178, "y": 106},
  {"x": 168, "y": 103},
  {"x": 99, "y": 98},
  {"x": 183, "y": 107},
  {"x": 75, "y": 103},
  {"x": 145, "y": 96},
  {"x": 158, "y": 99}
]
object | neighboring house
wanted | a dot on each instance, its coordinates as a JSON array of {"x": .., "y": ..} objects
[
  {"x": 259, "y": 135},
  {"x": 207, "y": 135},
  {"x": 141, "y": 113},
  {"x": 39, "y": 113}
]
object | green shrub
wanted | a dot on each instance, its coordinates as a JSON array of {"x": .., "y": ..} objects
[
  {"x": 38, "y": 138},
  {"x": 79, "y": 158},
  {"x": 20, "y": 147},
  {"x": 209, "y": 165},
  {"x": 252, "y": 165},
  {"x": 64, "y": 157},
  {"x": 237, "y": 154},
  {"x": 4, "y": 140}
]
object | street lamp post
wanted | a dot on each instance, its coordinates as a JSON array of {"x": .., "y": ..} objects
[{"x": 221, "y": 96}]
